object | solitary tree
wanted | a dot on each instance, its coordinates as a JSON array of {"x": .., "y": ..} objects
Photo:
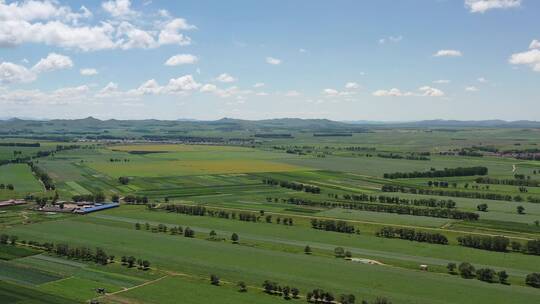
[
  {"x": 451, "y": 268},
  {"x": 146, "y": 264},
  {"x": 482, "y": 207},
  {"x": 307, "y": 249},
  {"x": 241, "y": 286},
  {"x": 339, "y": 252},
  {"x": 533, "y": 279},
  {"x": 214, "y": 280},
  {"x": 520, "y": 209},
  {"x": 234, "y": 238}
]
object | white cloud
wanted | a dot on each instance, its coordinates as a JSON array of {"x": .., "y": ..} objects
[
  {"x": 471, "y": 89},
  {"x": 431, "y": 92},
  {"x": 225, "y": 78},
  {"x": 441, "y": 81},
  {"x": 393, "y": 39},
  {"x": 209, "y": 88},
  {"x": 119, "y": 8},
  {"x": 49, "y": 23},
  {"x": 258, "y": 85},
  {"x": 302, "y": 50},
  {"x": 530, "y": 58},
  {"x": 481, "y": 6},
  {"x": 352, "y": 86},
  {"x": 110, "y": 90},
  {"x": 424, "y": 91},
  {"x": 181, "y": 59},
  {"x": 62, "y": 96},
  {"x": 273, "y": 61},
  {"x": 482, "y": 80},
  {"x": 448, "y": 53},
  {"x": 261, "y": 94},
  {"x": 14, "y": 73},
  {"x": 88, "y": 72},
  {"x": 292, "y": 93},
  {"x": 149, "y": 87},
  {"x": 53, "y": 62},
  {"x": 392, "y": 92},
  {"x": 182, "y": 84},
  {"x": 170, "y": 34},
  {"x": 331, "y": 92},
  {"x": 535, "y": 44}
]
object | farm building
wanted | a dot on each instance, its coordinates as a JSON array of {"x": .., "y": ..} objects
[
  {"x": 94, "y": 207},
  {"x": 77, "y": 207},
  {"x": 12, "y": 202}
]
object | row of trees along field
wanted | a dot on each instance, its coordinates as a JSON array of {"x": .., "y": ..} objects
[
  {"x": 412, "y": 235},
  {"x": 8, "y": 187},
  {"x": 499, "y": 243},
  {"x": 42, "y": 176},
  {"x": 427, "y": 202},
  {"x": 446, "y": 172},
  {"x": 456, "y": 193},
  {"x": 98, "y": 256},
  {"x": 242, "y": 216},
  {"x": 512, "y": 182},
  {"x": 293, "y": 186},
  {"x": 468, "y": 271},
  {"x": 399, "y": 209}
]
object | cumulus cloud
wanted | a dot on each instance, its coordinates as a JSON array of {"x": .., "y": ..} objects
[
  {"x": 393, "y": 39},
  {"x": 535, "y": 44},
  {"x": 481, "y": 6},
  {"x": 50, "y": 23},
  {"x": 471, "y": 89},
  {"x": 352, "y": 86},
  {"x": 331, "y": 92},
  {"x": 182, "y": 84},
  {"x": 53, "y": 62},
  {"x": 424, "y": 91},
  {"x": 292, "y": 93},
  {"x": 448, "y": 53},
  {"x": 273, "y": 61},
  {"x": 482, "y": 80},
  {"x": 181, "y": 59},
  {"x": 258, "y": 85},
  {"x": 431, "y": 92},
  {"x": 392, "y": 92},
  {"x": 209, "y": 88},
  {"x": 441, "y": 81},
  {"x": 14, "y": 73},
  {"x": 88, "y": 72},
  {"x": 530, "y": 57},
  {"x": 225, "y": 78},
  {"x": 170, "y": 34},
  {"x": 62, "y": 96},
  {"x": 119, "y": 8}
]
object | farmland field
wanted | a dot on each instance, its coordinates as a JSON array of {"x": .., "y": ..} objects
[{"x": 269, "y": 193}]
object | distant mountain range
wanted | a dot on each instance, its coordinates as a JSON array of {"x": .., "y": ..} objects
[{"x": 281, "y": 123}]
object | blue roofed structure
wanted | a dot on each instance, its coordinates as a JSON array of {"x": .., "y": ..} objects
[{"x": 96, "y": 207}]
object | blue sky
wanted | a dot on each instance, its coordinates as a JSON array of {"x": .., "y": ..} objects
[{"x": 344, "y": 60}]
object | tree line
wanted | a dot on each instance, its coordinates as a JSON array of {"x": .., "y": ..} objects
[
  {"x": 332, "y": 225},
  {"x": 42, "y": 176},
  {"x": 241, "y": 216},
  {"x": 446, "y": 172},
  {"x": 412, "y": 235},
  {"x": 96, "y": 198},
  {"x": 456, "y": 193},
  {"x": 430, "y": 202},
  {"x": 511, "y": 182},
  {"x": 293, "y": 186}
]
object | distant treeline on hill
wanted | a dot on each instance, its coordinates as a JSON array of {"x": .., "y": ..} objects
[
  {"x": 331, "y": 134},
  {"x": 446, "y": 172},
  {"x": 274, "y": 135},
  {"x": 511, "y": 182},
  {"x": 18, "y": 144}
]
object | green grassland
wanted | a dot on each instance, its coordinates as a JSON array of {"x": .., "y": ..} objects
[{"x": 229, "y": 177}]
